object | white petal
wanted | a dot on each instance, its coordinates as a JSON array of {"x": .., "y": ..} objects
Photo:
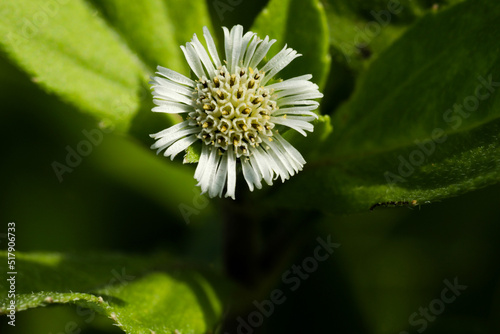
[
  {"x": 292, "y": 151},
  {"x": 193, "y": 59},
  {"x": 165, "y": 93},
  {"x": 237, "y": 44},
  {"x": 278, "y": 62},
  {"x": 213, "y": 189},
  {"x": 289, "y": 163},
  {"x": 250, "y": 175},
  {"x": 298, "y": 89},
  {"x": 171, "y": 107},
  {"x": 296, "y": 165},
  {"x": 261, "y": 52},
  {"x": 308, "y": 115},
  {"x": 280, "y": 167},
  {"x": 302, "y": 77},
  {"x": 211, "y": 47},
  {"x": 180, "y": 146},
  {"x": 174, "y": 76},
  {"x": 297, "y": 125},
  {"x": 203, "y": 55},
  {"x": 231, "y": 173},
  {"x": 303, "y": 118},
  {"x": 278, "y": 59},
  {"x": 217, "y": 187},
  {"x": 244, "y": 45},
  {"x": 209, "y": 171},
  {"x": 173, "y": 128},
  {"x": 300, "y": 103},
  {"x": 272, "y": 161},
  {"x": 251, "y": 50},
  {"x": 291, "y": 84},
  {"x": 299, "y": 97},
  {"x": 228, "y": 44},
  {"x": 303, "y": 110},
  {"x": 280, "y": 170},
  {"x": 266, "y": 171},
  {"x": 205, "y": 153},
  {"x": 171, "y": 85},
  {"x": 170, "y": 138}
]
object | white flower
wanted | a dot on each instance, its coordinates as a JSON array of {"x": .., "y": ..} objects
[{"x": 234, "y": 113}]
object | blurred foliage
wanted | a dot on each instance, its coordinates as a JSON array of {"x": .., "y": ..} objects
[{"x": 393, "y": 75}]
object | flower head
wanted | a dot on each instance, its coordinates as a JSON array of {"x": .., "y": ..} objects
[{"x": 233, "y": 111}]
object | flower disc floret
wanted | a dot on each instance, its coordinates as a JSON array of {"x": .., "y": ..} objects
[{"x": 233, "y": 109}]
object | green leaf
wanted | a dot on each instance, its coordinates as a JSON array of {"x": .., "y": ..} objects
[
  {"x": 403, "y": 136},
  {"x": 71, "y": 52},
  {"x": 147, "y": 29},
  {"x": 361, "y": 30},
  {"x": 155, "y": 29},
  {"x": 193, "y": 154},
  {"x": 140, "y": 294},
  {"x": 189, "y": 17},
  {"x": 302, "y": 25}
]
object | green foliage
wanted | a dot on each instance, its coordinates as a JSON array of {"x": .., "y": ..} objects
[
  {"x": 361, "y": 30},
  {"x": 188, "y": 18},
  {"x": 422, "y": 88},
  {"x": 356, "y": 36},
  {"x": 147, "y": 29},
  {"x": 192, "y": 154},
  {"x": 151, "y": 28},
  {"x": 302, "y": 25},
  {"x": 140, "y": 294},
  {"x": 67, "y": 50}
]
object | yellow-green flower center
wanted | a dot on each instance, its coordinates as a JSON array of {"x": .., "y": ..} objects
[{"x": 233, "y": 109}]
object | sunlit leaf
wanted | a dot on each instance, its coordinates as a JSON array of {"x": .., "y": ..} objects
[
  {"x": 141, "y": 295},
  {"x": 71, "y": 52}
]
